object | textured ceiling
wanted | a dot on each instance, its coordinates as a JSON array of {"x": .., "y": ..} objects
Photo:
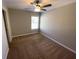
[{"x": 25, "y": 4}]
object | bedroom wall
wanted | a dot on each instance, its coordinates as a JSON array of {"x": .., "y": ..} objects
[
  {"x": 60, "y": 25},
  {"x": 20, "y": 21}
]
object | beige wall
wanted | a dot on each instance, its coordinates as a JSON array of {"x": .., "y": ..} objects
[
  {"x": 21, "y": 21},
  {"x": 60, "y": 24}
]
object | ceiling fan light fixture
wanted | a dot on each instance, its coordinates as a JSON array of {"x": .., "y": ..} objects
[{"x": 37, "y": 9}]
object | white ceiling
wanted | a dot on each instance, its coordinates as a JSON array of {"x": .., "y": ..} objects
[{"x": 25, "y": 4}]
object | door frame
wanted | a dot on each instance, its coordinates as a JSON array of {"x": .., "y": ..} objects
[{"x": 5, "y": 24}]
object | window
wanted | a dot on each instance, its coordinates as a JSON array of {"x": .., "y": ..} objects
[{"x": 34, "y": 22}]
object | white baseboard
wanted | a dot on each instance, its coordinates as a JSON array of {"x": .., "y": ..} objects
[
  {"x": 59, "y": 43},
  {"x": 24, "y": 34}
]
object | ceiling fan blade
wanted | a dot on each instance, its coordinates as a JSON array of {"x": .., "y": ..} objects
[
  {"x": 44, "y": 9},
  {"x": 48, "y": 5},
  {"x": 37, "y": 1}
]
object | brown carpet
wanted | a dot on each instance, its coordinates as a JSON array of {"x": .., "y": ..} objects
[{"x": 37, "y": 47}]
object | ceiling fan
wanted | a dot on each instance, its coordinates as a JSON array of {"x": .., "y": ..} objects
[{"x": 38, "y": 7}]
